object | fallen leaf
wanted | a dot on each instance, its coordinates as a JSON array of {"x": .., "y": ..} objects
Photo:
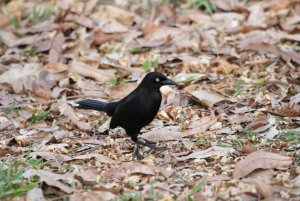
[
  {"x": 121, "y": 90},
  {"x": 35, "y": 194},
  {"x": 88, "y": 71},
  {"x": 52, "y": 179},
  {"x": 208, "y": 98},
  {"x": 165, "y": 134},
  {"x": 263, "y": 189},
  {"x": 247, "y": 148},
  {"x": 296, "y": 182},
  {"x": 87, "y": 177},
  {"x": 56, "y": 48},
  {"x": 68, "y": 111},
  {"x": 224, "y": 67},
  {"x": 260, "y": 159},
  {"x": 92, "y": 195},
  {"x": 129, "y": 168},
  {"x": 4, "y": 150},
  {"x": 59, "y": 158},
  {"x": 203, "y": 124},
  {"x": 99, "y": 157},
  {"x": 213, "y": 151}
]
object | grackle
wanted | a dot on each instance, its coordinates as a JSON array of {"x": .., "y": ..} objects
[{"x": 136, "y": 110}]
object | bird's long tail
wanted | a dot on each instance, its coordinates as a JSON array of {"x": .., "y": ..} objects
[
  {"x": 109, "y": 108},
  {"x": 92, "y": 104}
]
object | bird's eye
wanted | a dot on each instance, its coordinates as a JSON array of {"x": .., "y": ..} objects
[{"x": 157, "y": 80}]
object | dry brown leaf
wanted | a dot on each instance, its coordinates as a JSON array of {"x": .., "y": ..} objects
[
  {"x": 4, "y": 123},
  {"x": 4, "y": 150},
  {"x": 15, "y": 74},
  {"x": 99, "y": 157},
  {"x": 68, "y": 111},
  {"x": 35, "y": 194},
  {"x": 202, "y": 124},
  {"x": 208, "y": 98},
  {"x": 247, "y": 148},
  {"x": 224, "y": 67},
  {"x": 56, "y": 49},
  {"x": 213, "y": 151},
  {"x": 121, "y": 90},
  {"x": 164, "y": 134},
  {"x": 59, "y": 158},
  {"x": 260, "y": 159},
  {"x": 4, "y": 20},
  {"x": 257, "y": 17},
  {"x": 93, "y": 195},
  {"x": 296, "y": 182},
  {"x": 56, "y": 67},
  {"x": 52, "y": 179},
  {"x": 87, "y": 177},
  {"x": 129, "y": 168},
  {"x": 88, "y": 71},
  {"x": 100, "y": 38},
  {"x": 263, "y": 189}
]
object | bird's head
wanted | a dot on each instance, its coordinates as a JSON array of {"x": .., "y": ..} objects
[{"x": 156, "y": 80}]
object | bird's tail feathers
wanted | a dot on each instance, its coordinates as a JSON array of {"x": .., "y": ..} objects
[{"x": 92, "y": 104}]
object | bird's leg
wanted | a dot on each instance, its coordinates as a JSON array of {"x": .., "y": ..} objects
[
  {"x": 136, "y": 152},
  {"x": 151, "y": 146},
  {"x": 148, "y": 141}
]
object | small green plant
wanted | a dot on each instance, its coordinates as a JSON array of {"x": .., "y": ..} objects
[
  {"x": 13, "y": 107},
  {"x": 148, "y": 64},
  {"x": 261, "y": 81},
  {"x": 131, "y": 197},
  {"x": 297, "y": 160},
  {"x": 42, "y": 115},
  {"x": 11, "y": 182},
  {"x": 238, "y": 86},
  {"x": 136, "y": 50},
  {"x": 236, "y": 143},
  {"x": 15, "y": 22},
  {"x": 196, "y": 189},
  {"x": 203, "y": 4},
  {"x": 38, "y": 14},
  {"x": 250, "y": 133},
  {"x": 292, "y": 136},
  {"x": 113, "y": 81},
  {"x": 32, "y": 50}
]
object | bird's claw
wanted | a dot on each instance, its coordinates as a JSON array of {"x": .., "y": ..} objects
[
  {"x": 136, "y": 153},
  {"x": 156, "y": 149},
  {"x": 148, "y": 141}
]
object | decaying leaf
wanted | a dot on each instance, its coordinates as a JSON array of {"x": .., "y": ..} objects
[
  {"x": 213, "y": 151},
  {"x": 260, "y": 159},
  {"x": 93, "y": 195},
  {"x": 68, "y": 111},
  {"x": 99, "y": 157},
  {"x": 208, "y": 98},
  {"x": 87, "y": 177},
  {"x": 51, "y": 179},
  {"x": 35, "y": 194}
]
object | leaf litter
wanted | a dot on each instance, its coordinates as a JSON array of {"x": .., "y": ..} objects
[{"x": 230, "y": 127}]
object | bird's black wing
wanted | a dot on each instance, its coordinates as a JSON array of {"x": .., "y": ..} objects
[{"x": 136, "y": 111}]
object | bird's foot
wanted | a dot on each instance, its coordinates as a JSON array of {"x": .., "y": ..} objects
[
  {"x": 156, "y": 148},
  {"x": 151, "y": 145},
  {"x": 148, "y": 141},
  {"x": 136, "y": 153}
]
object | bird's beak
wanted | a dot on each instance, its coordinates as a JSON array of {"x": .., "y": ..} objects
[{"x": 169, "y": 82}]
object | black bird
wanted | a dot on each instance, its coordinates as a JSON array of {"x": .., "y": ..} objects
[{"x": 136, "y": 110}]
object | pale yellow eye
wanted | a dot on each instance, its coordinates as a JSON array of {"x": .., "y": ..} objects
[{"x": 157, "y": 80}]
